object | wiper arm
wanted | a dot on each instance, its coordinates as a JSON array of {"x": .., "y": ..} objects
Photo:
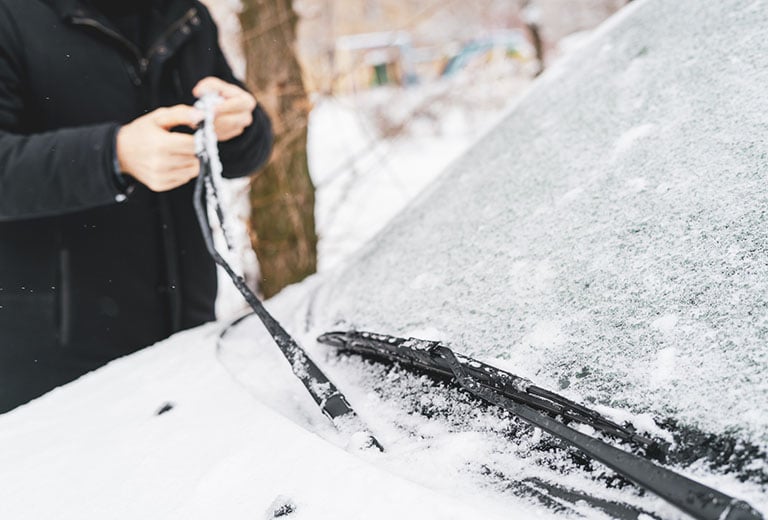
[
  {"x": 327, "y": 396},
  {"x": 537, "y": 406}
]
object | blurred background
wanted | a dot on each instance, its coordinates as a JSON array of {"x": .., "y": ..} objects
[{"x": 370, "y": 100}]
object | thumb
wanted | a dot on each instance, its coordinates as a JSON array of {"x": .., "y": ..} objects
[{"x": 179, "y": 115}]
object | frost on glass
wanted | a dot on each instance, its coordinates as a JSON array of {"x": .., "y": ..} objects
[{"x": 609, "y": 238}]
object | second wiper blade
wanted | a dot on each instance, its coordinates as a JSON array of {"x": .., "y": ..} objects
[
  {"x": 419, "y": 354},
  {"x": 544, "y": 410}
]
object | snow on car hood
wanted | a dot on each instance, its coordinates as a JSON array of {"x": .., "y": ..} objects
[
  {"x": 609, "y": 237},
  {"x": 97, "y": 448}
]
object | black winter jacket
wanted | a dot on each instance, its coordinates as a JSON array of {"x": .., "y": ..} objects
[{"x": 90, "y": 271}]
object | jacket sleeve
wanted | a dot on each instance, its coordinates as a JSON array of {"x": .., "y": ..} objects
[
  {"x": 49, "y": 173},
  {"x": 248, "y": 152}
]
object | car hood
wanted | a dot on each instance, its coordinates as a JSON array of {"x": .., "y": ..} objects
[{"x": 170, "y": 432}]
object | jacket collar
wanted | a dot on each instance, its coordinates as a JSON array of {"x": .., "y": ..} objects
[
  {"x": 69, "y": 9},
  {"x": 180, "y": 19}
]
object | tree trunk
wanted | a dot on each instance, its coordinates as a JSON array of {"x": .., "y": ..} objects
[
  {"x": 282, "y": 222},
  {"x": 531, "y": 16}
]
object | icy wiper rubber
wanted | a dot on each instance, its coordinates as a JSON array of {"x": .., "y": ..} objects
[
  {"x": 532, "y": 404},
  {"x": 330, "y": 400}
]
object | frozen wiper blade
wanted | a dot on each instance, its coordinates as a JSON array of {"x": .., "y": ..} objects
[
  {"x": 420, "y": 354},
  {"x": 550, "y": 412}
]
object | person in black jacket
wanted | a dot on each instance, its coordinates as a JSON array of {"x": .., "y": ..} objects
[{"x": 100, "y": 252}]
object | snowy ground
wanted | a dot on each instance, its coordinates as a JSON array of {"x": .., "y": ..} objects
[{"x": 364, "y": 178}]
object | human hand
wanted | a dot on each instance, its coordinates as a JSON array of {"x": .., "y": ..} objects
[
  {"x": 235, "y": 113},
  {"x": 160, "y": 159}
]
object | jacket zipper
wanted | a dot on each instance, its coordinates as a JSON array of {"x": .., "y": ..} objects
[
  {"x": 65, "y": 298},
  {"x": 142, "y": 61},
  {"x": 189, "y": 15}
]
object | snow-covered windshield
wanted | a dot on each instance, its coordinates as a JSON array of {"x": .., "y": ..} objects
[{"x": 608, "y": 238}]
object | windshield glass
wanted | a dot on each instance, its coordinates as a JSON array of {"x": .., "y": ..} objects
[{"x": 608, "y": 238}]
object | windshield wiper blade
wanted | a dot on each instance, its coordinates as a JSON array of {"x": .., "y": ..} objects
[
  {"x": 540, "y": 408},
  {"x": 419, "y": 354}
]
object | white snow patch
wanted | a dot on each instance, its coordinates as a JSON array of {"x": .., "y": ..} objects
[
  {"x": 643, "y": 422},
  {"x": 636, "y": 185},
  {"x": 545, "y": 334},
  {"x": 664, "y": 366},
  {"x": 428, "y": 333},
  {"x": 425, "y": 281},
  {"x": 570, "y": 195},
  {"x": 629, "y": 138},
  {"x": 666, "y": 323}
]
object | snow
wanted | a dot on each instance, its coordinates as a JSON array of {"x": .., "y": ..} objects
[
  {"x": 97, "y": 449},
  {"x": 364, "y": 178},
  {"x": 606, "y": 240},
  {"x": 665, "y": 323},
  {"x": 664, "y": 366},
  {"x": 629, "y": 138}
]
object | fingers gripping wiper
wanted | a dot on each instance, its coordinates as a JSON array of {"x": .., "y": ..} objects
[{"x": 540, "y": 407}]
